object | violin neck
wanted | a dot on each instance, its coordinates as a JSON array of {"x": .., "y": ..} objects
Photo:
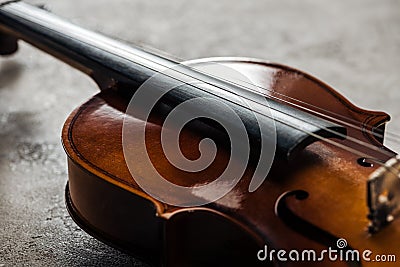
[{"x": 104, "y": 59}]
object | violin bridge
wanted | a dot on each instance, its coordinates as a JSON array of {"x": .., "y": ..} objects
[{"x": 384, "y": 195}]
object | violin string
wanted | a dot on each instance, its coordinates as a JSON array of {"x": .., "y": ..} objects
[
  {"x": 327, "y": 140},
  {"x": 176, "y": 60},
  {"x": 352, "y": 139},
  {"x": 392, "y": 136},
  {"x": 257, "y": 92},
  {"x": 350, "y": 122},
  {"x": 121, "y": 47},
  {"x": 319, "y": 137},
  {"x": 337, "y": 133},
  {"x": 388, "y": 135}
]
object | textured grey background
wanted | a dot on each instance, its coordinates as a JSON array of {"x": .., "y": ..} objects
[{"x": 353, "y": 45}]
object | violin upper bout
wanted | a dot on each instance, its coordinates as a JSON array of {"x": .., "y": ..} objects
[{"x": 305, "y": 92}]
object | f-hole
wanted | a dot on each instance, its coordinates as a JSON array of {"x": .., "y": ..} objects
[{"x": 301, "y": 226}]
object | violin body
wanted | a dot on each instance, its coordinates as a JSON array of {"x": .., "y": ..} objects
[
  {"x": 105, "y": 200},
  {"x": 318, "y": 194}
]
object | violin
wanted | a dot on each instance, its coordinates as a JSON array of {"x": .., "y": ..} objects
[{"x": 218, "y": 161}]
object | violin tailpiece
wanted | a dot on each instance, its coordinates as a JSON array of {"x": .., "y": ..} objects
[{"x": 384, "y": 195}]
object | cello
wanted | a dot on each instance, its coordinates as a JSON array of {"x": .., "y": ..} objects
[{"x": 329, "y": 171}]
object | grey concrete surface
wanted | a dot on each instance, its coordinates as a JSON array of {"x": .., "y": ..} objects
[{"x": 353, "y": 45}]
